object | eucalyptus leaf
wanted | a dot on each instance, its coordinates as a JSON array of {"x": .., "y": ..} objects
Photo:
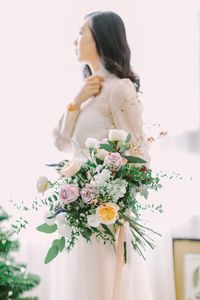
[
  {"x": 107, "y": 147},
  {"x": 123, "y": 148},
  {"x": 134, "y": 159},
  {"x": 61, "y": 243},
  {"x": 52, "y": 253},
  {"x": 56, "y": 242},
  {"x": 47, "y": 228}
]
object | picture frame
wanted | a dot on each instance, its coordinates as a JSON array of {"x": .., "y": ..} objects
[{"x": 186, "y": 259}]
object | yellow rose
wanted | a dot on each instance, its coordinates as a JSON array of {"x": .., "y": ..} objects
[
  {"x": 107, "y": 213},
  {"x": 70, "y": 168}
]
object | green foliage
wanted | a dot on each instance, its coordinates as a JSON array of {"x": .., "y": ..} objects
[
  {"x": 108, "y": 231},
  {"x": 3, "y": 215},
  {"x": 56, "y": 247},
  {"x": 86, "y": 233},
  {"x": 14, "y": 280},
  {"x": 6, "y": 244},
  {"x": 47, "y": 228},
  {"x": 108, "y": 147},
  {"x": 134, "y": 159},
  {"x": 52, "y": 253}
]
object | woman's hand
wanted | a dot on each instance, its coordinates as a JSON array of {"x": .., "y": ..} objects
[{"x": 91, "y": 87}]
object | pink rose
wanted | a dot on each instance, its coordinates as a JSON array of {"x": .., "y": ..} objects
[
  {"x": 87, "y": 194},
  {"x": 114, "y": 160},
  {"x": 68, "y": 193}
]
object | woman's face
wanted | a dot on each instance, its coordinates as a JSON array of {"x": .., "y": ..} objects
[{"x": 85, "y": 46}]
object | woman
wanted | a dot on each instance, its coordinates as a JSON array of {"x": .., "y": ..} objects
[{"x": 107, "y": 99}]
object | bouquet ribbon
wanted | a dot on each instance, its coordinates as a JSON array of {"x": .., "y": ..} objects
[{"x": 119, "y": 263}]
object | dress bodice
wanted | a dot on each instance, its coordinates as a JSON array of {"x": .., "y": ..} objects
[{"x": 116, "y": 106}]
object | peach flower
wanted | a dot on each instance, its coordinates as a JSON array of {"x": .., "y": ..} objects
[
  {"x": 70, "y": 168},
  {"x": 107, "y": 213}
]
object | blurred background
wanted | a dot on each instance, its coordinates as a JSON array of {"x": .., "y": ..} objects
[{"x": 39, "y": 74}]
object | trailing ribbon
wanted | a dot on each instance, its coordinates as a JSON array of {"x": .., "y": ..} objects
[
  {"x": 123, "y": 256},
  {"x": 119, "y": 263}
]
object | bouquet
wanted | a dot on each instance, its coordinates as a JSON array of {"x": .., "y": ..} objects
[{"x": 96, "y": 196}]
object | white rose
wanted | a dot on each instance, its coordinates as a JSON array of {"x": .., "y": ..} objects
[
  {"x": 64, "y": 230},
  {"x": 49, "y": 221},
  {"x": 93, "y": 220},
  {"x": 60, "y": 218},
  {"x": 42, "y": 184},
  {"x": 117, "y": 135},
  {"x": 92, "y": 143},
  {"x": 70, "y": 168},
  {"x": 101, "y": 153},
  {"x": 104, "y": 141}
]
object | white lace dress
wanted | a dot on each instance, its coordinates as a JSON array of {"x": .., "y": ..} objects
[{"x": 87, "y": 273}]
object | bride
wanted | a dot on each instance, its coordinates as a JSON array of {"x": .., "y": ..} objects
[{"x": 107, "y": 99}]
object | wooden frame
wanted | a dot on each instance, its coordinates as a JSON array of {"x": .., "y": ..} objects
[{"x": 186, "y": 256}]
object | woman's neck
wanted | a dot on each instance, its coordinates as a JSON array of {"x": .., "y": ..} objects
[{"x": 95, "y": 66}]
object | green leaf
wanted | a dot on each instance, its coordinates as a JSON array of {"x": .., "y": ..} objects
[
  {"x": 56, "y": 242},
  {"x": 107, "y": 230},
  {"x": 134, "y": 159},
  {"x": 61, "y": 243},
  {"x": 86, "y": 233},
  {"x": 52, "y": 253},
  {"x": 107, "y": 147},
  {"x": 128, "y": 138},
  {"x": 123, "y": 148},
  {"x": 47, "y": 228},
  {"x": 55, "y": 197}
]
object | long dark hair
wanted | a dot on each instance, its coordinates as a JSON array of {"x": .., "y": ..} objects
[{"x": 109, "y": 33}]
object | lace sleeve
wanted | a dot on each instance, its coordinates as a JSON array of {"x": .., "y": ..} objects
[
  {"x": 62, "y": 132},
  {"x": 126, "y": 110}
]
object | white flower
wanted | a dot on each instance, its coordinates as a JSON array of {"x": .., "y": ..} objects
[
  {"x": 70, "y": 168},
  {"x": 117, "y": 189},
  {"x": 101, "y": 153},
  {"x": 100, "y": 178},
  {"x": 92, "y": 143},
  {"x": 64, "y": 230},
  {"x": 104, "y": 141},
  {"x": 60, "y": 218},
  {"x": 49, "y": 221},
  {"x": 99, "y": 168},
  {"x": 117, "y": 135},
  {"x": 93, "y": 220},
  {"x": 42, "y": 184}
]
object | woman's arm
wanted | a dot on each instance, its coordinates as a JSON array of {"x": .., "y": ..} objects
[
  {"x": 63, "y": 131},
  {"x": 126, "y": 110}
]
